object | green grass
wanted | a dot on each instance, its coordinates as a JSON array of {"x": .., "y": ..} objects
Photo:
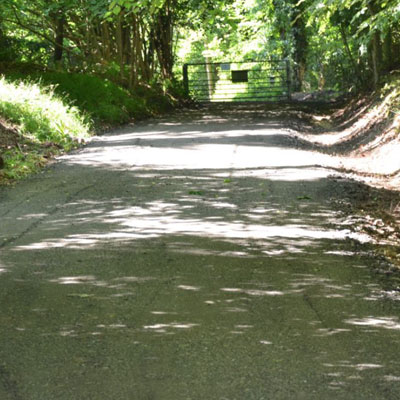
[
  {"x": 19, "y": 164},
  {"x": 45, "y": 125},
  {"x": 53, "y": 111},
  {"x": 41, "y": 115},
  {"x": 105, "y": 102}
]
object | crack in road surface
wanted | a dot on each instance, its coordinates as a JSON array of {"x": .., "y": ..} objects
[{"x": 196, "y": 256}]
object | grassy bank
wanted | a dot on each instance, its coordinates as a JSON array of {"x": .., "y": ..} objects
[
  {"x": 35, "y": 124},
  {"x": 43, "y": 113},
  {"x": 106, "y": 103}
]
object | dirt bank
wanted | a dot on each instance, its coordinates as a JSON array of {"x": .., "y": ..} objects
[
  {"x": 363, "y": 133},
  {"x": 363, "y": 138}
]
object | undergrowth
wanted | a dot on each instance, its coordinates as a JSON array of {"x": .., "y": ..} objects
[
  {"x": 107, "y": 103},
  {"x": 19, "y": 164},
  {"x": 42, "y": 124},
  {"x": 53, "y": 111},
  {"x": 390, "y": 93},
  {"x": 40, "y": 114}
]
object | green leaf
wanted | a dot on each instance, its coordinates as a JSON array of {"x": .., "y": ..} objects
[{"x": 116, "y": 10}]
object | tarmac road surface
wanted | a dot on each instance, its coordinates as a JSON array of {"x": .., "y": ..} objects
[{"x": 197, "y": 256}]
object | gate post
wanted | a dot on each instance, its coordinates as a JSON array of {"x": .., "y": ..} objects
[
  {"x": 209, "y": 77},
  {"x": 289, "y": 95},
  {"x": 185, "y": 80}
]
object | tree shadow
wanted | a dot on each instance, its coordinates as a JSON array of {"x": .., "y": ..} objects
[{"x": 210, "y": 272}]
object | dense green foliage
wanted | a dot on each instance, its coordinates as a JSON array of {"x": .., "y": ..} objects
[
  {"x": 330, "y": 43},
  {"x": 130, "y": 44}
]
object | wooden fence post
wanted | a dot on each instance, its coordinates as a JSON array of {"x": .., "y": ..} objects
[{"x": 186, "y": 80}]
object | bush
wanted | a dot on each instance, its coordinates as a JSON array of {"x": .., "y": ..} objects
[
  {"x": 154, "y": 98},
  {"x": 106, "y": 102}
]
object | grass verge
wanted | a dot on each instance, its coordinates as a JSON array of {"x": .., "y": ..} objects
[
  {"x": 43, "y": 113},
  {"x": 35, "y": 124},
  {"x": 107, "y": 103}
]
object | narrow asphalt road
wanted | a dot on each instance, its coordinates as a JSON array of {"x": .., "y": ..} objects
[{"x": 198, "y": 256}]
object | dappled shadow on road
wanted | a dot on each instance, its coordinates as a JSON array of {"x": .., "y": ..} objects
[
  {"x": 212, "y": 273},
  {"x": 2, "y": 269},
  {"x": 279, "y": 216},
  {"x": 193, "y": 259},
  {"x": 203, "y": 141}
]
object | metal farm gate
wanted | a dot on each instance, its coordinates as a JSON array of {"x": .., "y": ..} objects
[{"x": 238, "y": 81}]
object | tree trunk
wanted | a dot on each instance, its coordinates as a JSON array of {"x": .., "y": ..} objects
[
  {"x": 106, "y": 42},
  {"x": 120, "y": 46},
  {"x": 144, "y": 65},
  {"x": 59, "y": 39},
  {"x": 163, "y": 36},
  {"x": 388, "y": 58},
  {"x": 300, "y": 44},
  {"x": 133, "y": 56},
  {"x": 282, "y": 27},
  {"x": 375, "y": 49},
  {"x": 376, "y": 58},
  {"x": 350, "y": 55}
]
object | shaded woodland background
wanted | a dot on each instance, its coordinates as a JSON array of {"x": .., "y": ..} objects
[{"x": 340, "y": 44}]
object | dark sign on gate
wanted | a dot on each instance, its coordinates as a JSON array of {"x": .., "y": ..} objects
[{"x": 240, "y": 76}]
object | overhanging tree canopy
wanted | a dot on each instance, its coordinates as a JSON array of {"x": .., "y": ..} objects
[{"x": 335, "y": 43}]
